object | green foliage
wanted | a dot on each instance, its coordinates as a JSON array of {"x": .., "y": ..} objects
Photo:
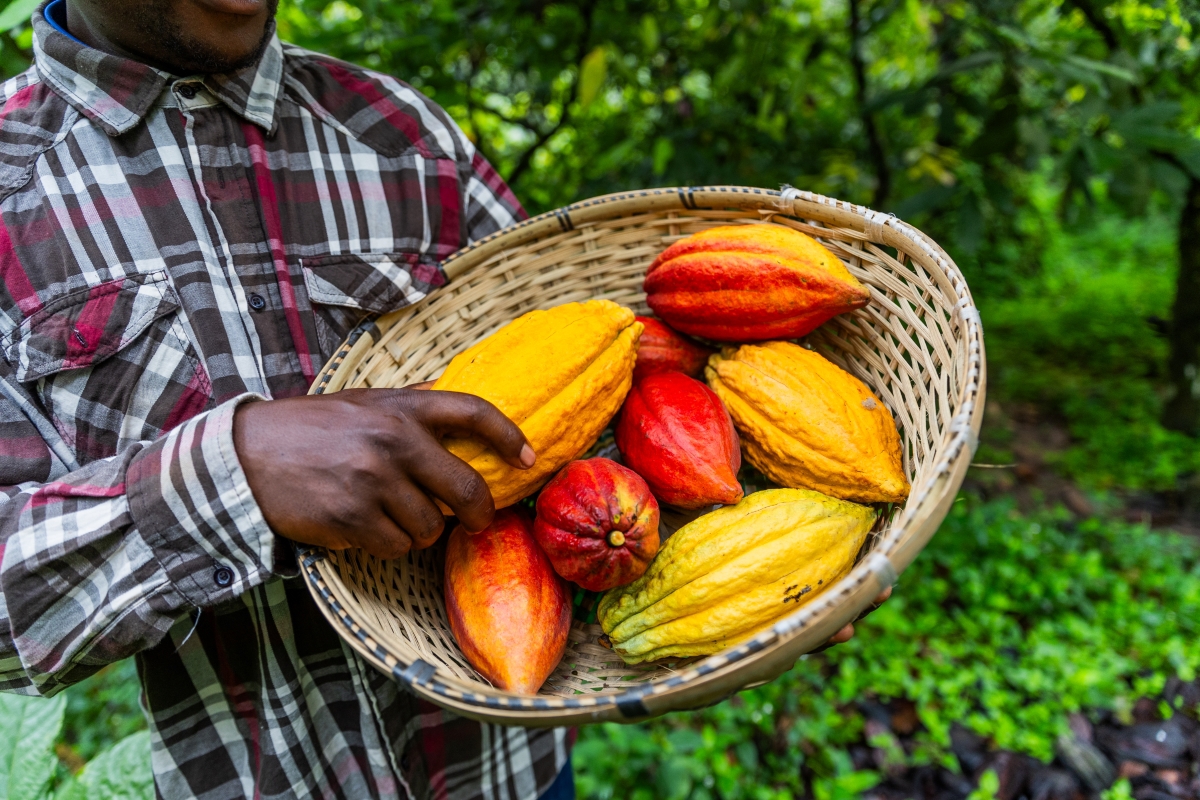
[
  {"x": 28, "y": 728},
  {"x": 1004, "y": 624},
  {"x": 17, "y": 13},
  {"x": 103, "y": 709},
  {"x": 989, "y": 784},
  {"x": 98, "y": 719},
  {"x": 1077, "y": 340},
  {"x": 122, "y": 772},
  {"x": 957, "y": 105}
]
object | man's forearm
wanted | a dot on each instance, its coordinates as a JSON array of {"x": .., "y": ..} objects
[{"x": 99, "y": 564}]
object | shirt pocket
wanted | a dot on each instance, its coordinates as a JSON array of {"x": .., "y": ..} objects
[
  {"x": 344, "y": 289},
  {"x": 111, "y": 364}
]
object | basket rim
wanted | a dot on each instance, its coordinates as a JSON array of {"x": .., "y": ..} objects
[{"x": 881, "y": 566}]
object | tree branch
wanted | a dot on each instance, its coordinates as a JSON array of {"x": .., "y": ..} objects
[
  {"x": 883, "y": 176},
  {"x": 1099, "y": 23},
  {"x": 480, "y": 141},
  {"x": 526, "y": 159}
]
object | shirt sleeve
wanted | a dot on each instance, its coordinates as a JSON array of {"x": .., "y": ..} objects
[
  {"x": 100, "y": 561},
  {"x": 490, "y": 203}
]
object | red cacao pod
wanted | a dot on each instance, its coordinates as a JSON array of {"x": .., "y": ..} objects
[
  {"x": 663, "y": 350},
  {"x": 674, "y": 432},
  {"x": 509, "y": 610},
  {"x": 744, "y": 283},
  {"x": 598, "y": 523}
]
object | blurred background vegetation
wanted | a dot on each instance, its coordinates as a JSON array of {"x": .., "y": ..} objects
[{"x": 1053, "y": 148}]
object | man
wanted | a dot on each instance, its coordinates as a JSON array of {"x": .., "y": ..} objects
[{"x": 192, "y": 217}]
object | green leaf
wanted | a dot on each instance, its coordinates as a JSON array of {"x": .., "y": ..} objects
[
  {"x": 1103, "y": 67},
  {"x": 989, "y": 784},
  {"x": 122, "y": 772},
  {"x": 664, "y": 151},
  {"x": 17, "y": 13},
  {"x": 28, "y": 728},
  {"x": 649, "y": 33},
  {"x": 592, "y": 73}
]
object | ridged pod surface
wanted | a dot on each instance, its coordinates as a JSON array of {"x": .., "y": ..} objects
[
  {"x": 733, "y": 572},
  {"x": 665, "y": 350},
  {"x": 559, "y": 374},
  {"x": 746, "y": 283},
  {"x": 508, "y": 610},
  {"x": 598, "y": 523},
  {"x": 674, "y": 432},
  {"x": 807, "y": 423}
]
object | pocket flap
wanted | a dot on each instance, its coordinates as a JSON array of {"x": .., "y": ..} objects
[
  {"x": 83, "y": 328},
  {"x": 373, "y": 282}
]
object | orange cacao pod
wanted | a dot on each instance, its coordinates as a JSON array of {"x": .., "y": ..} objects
[{"x": 508, "y": 609}]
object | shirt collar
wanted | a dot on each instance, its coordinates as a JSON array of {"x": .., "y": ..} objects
[{"x": 116, "y": 93}]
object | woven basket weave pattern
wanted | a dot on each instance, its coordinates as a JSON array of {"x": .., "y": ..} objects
[{"x": 917, "y": 344}]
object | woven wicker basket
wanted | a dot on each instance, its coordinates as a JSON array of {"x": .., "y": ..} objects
[{"x": 918, "y": 345}]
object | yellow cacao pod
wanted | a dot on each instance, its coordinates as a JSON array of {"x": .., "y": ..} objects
[
  {"x": 733, "y": 572},
  {"x": 807, "y": 423},
  {"x": 559, "y": 374}
]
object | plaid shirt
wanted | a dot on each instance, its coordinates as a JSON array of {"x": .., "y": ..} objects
[{"x": 169, "y": 249}]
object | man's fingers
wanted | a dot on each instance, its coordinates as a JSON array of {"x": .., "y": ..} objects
[
  {"x": 879, "y": 600},
  {"x": 844, "y": 635},
  {"x": 386, "y": 540},
  {"x": 415, "y": 514},
  {"x": 451, "y": 480},
  {"x": 458, "y": 412}
]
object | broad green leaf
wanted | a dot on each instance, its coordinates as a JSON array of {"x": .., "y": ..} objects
[
  {"x": 17, "y": 13},
  {"x": 592, "y": 73},
  {"x": 28, "y": 728},
  {"x": 122, "y": 772}
]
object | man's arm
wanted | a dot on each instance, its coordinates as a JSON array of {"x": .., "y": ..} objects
[{"x": 99, "y": 562}]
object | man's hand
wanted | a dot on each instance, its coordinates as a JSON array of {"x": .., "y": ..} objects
[
  {"x": 361, "y": 467},
  {"x": 847, "y": 631}
]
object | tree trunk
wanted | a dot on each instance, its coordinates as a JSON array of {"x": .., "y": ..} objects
[{"x": 1183, "y": 409}]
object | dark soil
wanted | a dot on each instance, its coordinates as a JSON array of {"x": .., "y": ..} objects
[
  {"x": 1160, "y": 757},
  {"x": 1034, "y": 439}
]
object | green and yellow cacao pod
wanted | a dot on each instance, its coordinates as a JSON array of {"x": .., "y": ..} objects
[{"x": 733, "y": 572}]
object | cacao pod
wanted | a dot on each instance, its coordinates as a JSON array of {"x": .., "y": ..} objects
[
  {"x": 674, "y": 432},
  {"x": 559, "y": 374},
  {"x": 598, "y": 523},
  {"x": 744, "y": 283},
  {"x": 733, "y": 572},
  {"x": 664, "y": 350},
  {"x": 508, "y": 610},
  {"x": 807, "y": 423}
]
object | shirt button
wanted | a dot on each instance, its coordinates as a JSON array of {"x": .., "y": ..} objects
[
  {"x": 257, "y": 302},
  {"x": 223, "y": 576},
  {"x": 188, "y": 90}
]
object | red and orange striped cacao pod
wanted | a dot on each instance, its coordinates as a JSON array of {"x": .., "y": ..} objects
[{"x": 748, "y": 283}]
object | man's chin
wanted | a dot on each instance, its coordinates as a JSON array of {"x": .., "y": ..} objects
[{"x": 194, "y": 57}]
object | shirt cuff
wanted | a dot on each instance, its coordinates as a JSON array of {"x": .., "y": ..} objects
[{"x": 190, "y": 500}]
